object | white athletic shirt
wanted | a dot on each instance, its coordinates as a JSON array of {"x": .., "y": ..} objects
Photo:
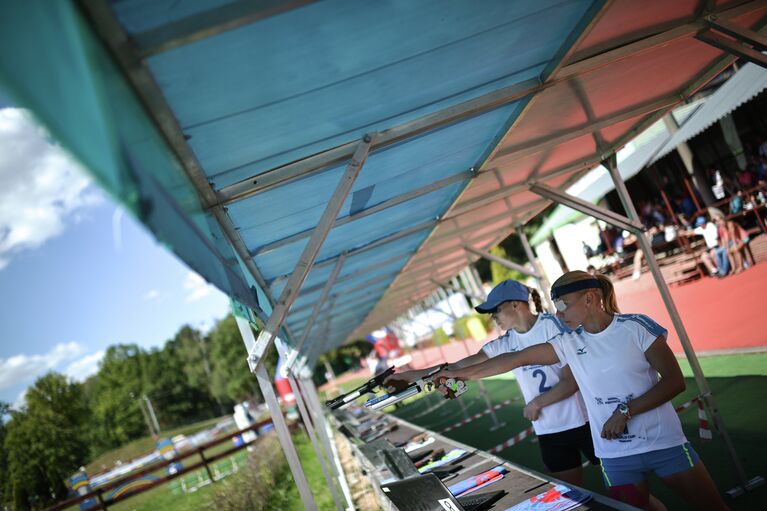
[
  {"x": 534, "y": 380},
  {"x": 611, "y": 368}
]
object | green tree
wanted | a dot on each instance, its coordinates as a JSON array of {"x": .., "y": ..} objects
[
  {"x": 175, "y": 400},
  {"x": 5, "y": 410},
  {"x": 115, "y": 403},
  {"x": 500, "y": 273},
  {"x": 192, "y": 349},
  {"x": 47, "y": 442}
]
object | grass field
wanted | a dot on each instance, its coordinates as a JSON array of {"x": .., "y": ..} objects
[
  {"x": 173, "y": 497},
  {"x": 137, "y": 447},
  {"x": 739, "y": 383}
]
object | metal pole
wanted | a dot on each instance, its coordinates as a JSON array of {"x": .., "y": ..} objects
[
  {"x": 265, "y": 383},
  {"x": 543, "y": 282},
  {"x": 503, "y": 262},
  {"x": 496, "y": 423},
  {"x": 151, "y": 414},
  {"x": 313, "y": 402},
  {"x": 700, "y": 378},
  {"x": 302, "y": 409}
]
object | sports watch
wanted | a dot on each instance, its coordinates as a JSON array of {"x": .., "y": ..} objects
[{"x": 623, "y": 409}]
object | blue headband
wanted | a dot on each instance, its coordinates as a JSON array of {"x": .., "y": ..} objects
[{"x": 580, "y": 285}]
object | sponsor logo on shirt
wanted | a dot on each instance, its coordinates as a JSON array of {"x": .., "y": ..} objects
[{"x": 581, "y": 351}]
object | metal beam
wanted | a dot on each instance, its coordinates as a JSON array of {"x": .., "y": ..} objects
[
  {"x": 455, "y": 289},
  {"x": 353, "y": 275},
  {"x": 331, "y": 157},
  {"x": 363, "y": 285},
  {"x": 313, "y": 401},
  {"x": 503, "y": 262},
  {"x": 267, "y": 390},
  {"x": 210, "y": 23},
  {"x": 318, "y": 305},
  {"x": 389, "y": 203},
  {"x": 543, "y": 282},
  {"x": 309, "y": 425},
  {"x": 648, "y": 39},
  {"x": 371, "y": 246},
  {"x": 742, "y": 34},
  {"x": 734, "y": 47},
  {"x": 312, "y": 248},
  {"x": 586, "y": 207},
  {"x": 519, "y": 151}
]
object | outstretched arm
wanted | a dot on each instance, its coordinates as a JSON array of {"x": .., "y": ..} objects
[
  {"x": 540, "y": 354},
  {"x": 401, "y": 380},
  {"x": 671, "y": 383},
  {"x": 566, "y": 387}
]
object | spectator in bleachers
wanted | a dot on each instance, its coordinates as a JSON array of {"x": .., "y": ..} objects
[
  {"x": 715, "y": 258},
  {"x": 735, "y": 239},
  {"x": 736, "y": 203}
]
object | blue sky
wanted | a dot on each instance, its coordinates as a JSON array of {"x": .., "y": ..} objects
[{"x": 77, "y": 273}]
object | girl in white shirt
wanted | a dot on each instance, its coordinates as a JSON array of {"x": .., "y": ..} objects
[
  {"x": 617, "y": 360},
  {"x": 553, "y": 403}
]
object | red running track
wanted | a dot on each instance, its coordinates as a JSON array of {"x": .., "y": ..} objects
[{"x": 719, "y": 314}]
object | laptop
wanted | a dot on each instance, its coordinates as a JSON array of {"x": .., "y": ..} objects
[
  {"x": 428, "y": 493},
  {"x": 401, "y": 466}
]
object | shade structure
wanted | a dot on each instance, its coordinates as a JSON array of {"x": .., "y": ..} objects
[
  {"x": 597, "y": 183},
  {"x": 226, "y": 126},
  {"x": 744, "y": 85}
]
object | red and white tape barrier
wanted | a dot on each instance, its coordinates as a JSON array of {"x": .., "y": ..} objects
[
  {"x": 478, "y": 415},
  {"x": 512, "y": 441}
]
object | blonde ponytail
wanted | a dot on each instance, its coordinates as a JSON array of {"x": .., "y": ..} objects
[
  {"x": 609, "y": 300},
  {"x": 536, "y": 296}
]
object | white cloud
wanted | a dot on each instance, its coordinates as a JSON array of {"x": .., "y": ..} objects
[
  {"x": 152, "y": 294},
  {"x": 24, "y": 369},
  {"x": 196, "y": 287},
  {"x": 21, "y": 401},
  {"x": 41, "y": 186},
  {"x": 86, "y": 366}
]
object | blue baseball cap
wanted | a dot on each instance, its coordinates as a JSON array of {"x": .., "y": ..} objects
[
  {"x": 701, "y": 220},
  {"x": 508, "y": 290}
]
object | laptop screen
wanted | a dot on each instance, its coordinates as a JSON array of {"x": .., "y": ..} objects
[{"x": 425, "y": 493}]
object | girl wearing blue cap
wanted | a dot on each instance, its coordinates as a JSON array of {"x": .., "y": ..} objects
[
  {"x": 628, "y": 376},
  {"x": 553, "y": 402}
]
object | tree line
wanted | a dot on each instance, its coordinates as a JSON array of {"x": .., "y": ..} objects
[{"x": 65, "y": 424}]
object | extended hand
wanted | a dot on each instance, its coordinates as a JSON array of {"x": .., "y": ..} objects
[
  {"x": 615, "y": 426},
  {"x": 532, "y": 411},
  {"x": 399, "y": 381}
]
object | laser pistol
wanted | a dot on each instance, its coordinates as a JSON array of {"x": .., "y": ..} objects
[{"x": 366, "y": 388}]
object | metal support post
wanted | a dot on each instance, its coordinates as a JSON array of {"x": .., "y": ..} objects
[
  {"x": 503, "y": 262},
  {"x": 543, "y": 282},
  {"x": 700, "y": 378},
  {"x": 265, "y": 384},
  {"x": 452, "y": 287},
  {"x": 496, "y": 423},
  {"x": 326, "y": 436},
  {"x": 310, "y": 423}
]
